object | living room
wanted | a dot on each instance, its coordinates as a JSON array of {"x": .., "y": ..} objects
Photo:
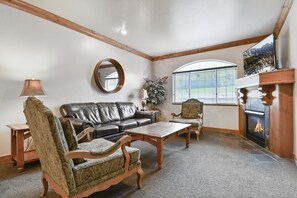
[{"x": 158, "y": 42}]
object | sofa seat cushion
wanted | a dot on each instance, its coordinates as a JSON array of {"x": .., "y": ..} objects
[
  {"x": 143, "y": 121},
  {"x": 102, "y": 130},
  {"x": 193, "y": 122},
  {"x": 126, "y": 124},
  {"x": 94, "y": 169}
]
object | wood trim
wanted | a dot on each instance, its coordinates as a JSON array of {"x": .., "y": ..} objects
[
  {"x": 282, "y": 17},
  {"x": 211, "y": 48},
  {"x": 5, "y": 159},
  {"x": 120, "y": 71},
  {"x": 102, "y": 186},
  {"x": 29, "y": 8},
  {"x": 221, "y": 104},
  {"x": 220, "y": 130},
  {"x": 241, "y": 121},
  {"x": 209, "y": 104},
  {"x": 282, "y": 76}
]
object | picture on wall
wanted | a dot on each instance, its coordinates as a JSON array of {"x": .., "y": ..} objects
[{"x": 260, "y": 58}]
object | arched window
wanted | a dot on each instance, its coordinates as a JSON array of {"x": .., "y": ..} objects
[{"x": 210, "y": 81}]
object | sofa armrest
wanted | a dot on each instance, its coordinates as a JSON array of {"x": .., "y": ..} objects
[
  {"x": 79, "y": 125},
  {"x": 146, "y": 114}
]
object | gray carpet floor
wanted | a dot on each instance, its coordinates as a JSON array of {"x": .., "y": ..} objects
[{"x": 219, "y": 165}]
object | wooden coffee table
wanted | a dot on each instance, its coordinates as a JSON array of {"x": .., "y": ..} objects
[{"x": 158, "y": 134}]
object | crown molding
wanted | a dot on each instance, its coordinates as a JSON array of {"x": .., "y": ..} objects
[
  {"x": 282, "y": 17},
  {"x": 211, "y": 48}
]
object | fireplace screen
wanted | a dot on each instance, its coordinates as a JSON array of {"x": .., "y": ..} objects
[{"x": 255, "y": 123}]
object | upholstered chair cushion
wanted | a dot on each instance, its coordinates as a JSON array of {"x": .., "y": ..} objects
[
  {"x": 71, "y": 138},
  {"x": 94, "y": 169},
  {"x": 189, "y": 111},
  {"x": 194, "y": 122},
  {"x": 50, "y": 143}
]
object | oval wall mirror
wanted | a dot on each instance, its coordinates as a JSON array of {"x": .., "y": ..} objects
[{"x": 109, "y": 75}]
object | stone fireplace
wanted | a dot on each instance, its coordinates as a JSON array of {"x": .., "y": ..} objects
[{"x": 266, "y": 111}]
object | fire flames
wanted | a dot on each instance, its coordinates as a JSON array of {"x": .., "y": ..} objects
[{"x": 258, "y": 128}]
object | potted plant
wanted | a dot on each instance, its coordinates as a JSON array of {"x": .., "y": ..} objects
[{"x": 156, "y": 91}]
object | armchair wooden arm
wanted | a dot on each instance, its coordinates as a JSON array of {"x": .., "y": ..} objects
[
  {"x": 85, "y": 132},
  {"x": 175, "y": 115},
  {"x": 122, "y": 142}
]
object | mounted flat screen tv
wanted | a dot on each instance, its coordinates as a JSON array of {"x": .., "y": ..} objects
[{"x": 261, "y": 57}]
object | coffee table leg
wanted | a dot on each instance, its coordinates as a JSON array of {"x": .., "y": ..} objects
[
  {"x": 160, "y": 145},
  {"x": 188, "y": 138}
]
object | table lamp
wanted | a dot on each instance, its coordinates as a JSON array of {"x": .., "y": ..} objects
[{"x": 32, "y": 87}]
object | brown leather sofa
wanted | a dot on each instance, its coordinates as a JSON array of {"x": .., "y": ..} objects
[{"x": 109, "y": 120}]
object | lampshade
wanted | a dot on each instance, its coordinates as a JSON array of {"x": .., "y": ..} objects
[
  {"x": 143, "y": 94},
  {"x": 32, "y": 87}
]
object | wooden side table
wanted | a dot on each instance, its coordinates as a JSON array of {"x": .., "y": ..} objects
[
  {"x": 157, "y": 114},
  {"x": 18, "y": 133}
]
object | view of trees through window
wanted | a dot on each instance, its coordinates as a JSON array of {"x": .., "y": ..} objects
[{"x": 212, "y": 84}]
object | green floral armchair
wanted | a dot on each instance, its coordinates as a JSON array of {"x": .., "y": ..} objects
[
  {"x": 75, "y": 169},
  {"x": 191, "y": 113}
]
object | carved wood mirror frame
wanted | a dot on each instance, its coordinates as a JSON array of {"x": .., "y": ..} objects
[{"x": 120, "y": 71}]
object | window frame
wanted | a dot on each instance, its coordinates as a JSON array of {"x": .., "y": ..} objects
[{"x": 203, "y": 69}]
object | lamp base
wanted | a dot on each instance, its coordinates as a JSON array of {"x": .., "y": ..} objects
[{"x": 143, "y": 103}]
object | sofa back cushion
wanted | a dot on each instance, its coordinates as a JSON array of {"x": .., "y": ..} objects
[
  {"x": 108, "y": 112},
  {"x": 126, "y": 109},
  {"x": 83, "y": 111}
]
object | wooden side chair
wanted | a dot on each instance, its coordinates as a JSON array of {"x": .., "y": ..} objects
[
  {"x": 75, "y": 169},
  {"x": 191, "y": 113}
]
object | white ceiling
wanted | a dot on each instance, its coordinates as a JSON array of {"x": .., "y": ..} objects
[{"x": 159, "y": 27}]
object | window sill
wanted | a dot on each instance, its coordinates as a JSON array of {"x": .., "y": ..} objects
[{"x": 210, "y": 104}]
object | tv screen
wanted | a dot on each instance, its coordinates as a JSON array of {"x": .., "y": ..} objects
[{"x": 261, "y": 57}]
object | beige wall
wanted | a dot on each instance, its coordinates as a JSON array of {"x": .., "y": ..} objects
[
  {"x": 287, "y": 53},
  {"x": 31, "y": 47},
  {"x": 214, "y": 116}
]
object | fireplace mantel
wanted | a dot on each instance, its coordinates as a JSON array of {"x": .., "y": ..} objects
[
  {"x": 277, "y": 93},
  {"x": 264, "y": 82}
]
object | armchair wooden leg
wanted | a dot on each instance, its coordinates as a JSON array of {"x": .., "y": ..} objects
[
  {"x": 139, "y": 177},
  {"x": 45, "y": 186},
  {"x": 197, "y": 135}
]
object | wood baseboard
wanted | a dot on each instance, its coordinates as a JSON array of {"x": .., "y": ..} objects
[
  {"x": 5, "y": 159},
  {"x": 221, "y": 130}
]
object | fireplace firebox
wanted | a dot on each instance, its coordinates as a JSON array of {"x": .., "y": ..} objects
[{"x": 255, "y": 127}]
